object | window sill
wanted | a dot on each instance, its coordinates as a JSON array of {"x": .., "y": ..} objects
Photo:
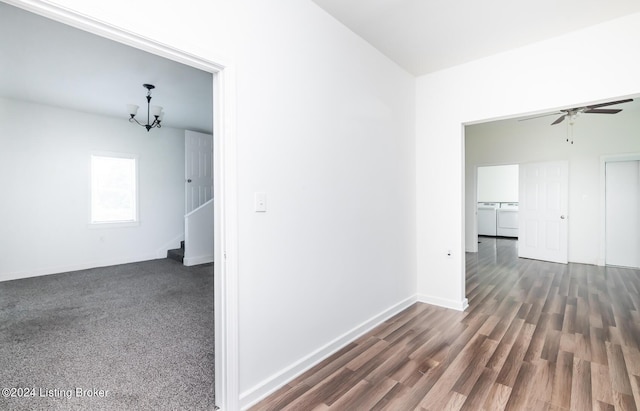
[{"x": 115, "y": 224}]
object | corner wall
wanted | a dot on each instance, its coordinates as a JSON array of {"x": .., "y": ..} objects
[{"x": 45, "y": 172}]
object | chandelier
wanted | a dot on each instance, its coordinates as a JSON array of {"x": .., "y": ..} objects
[{"x": 152, "y": 111}]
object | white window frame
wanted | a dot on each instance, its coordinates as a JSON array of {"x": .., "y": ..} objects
[{"x": 115, "y": 223}]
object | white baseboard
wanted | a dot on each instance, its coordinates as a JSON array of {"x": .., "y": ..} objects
[
  {"x": 74, "y": 267},
  {"x": 268, "y": 386},
  {"x": 443, "y": 302},
  {"x": 189, "y": 261}
]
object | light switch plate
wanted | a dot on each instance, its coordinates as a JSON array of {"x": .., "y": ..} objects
[{"x": 260, "y": 202}]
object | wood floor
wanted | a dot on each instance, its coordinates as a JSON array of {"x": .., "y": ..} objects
[{"x": 536, "y": 336}]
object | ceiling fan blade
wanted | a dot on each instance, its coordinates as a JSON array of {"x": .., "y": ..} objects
[
  {"x": 611, "y": 103},
  {"x": 559, "y": 120},
  {"x": 603, "y": 110},
  {"x": 541, "y": 115}
]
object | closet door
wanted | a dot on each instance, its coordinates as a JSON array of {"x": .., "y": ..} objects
[
  {"x": 544, "y": 197},
  {"x": 622, "y": 204}
]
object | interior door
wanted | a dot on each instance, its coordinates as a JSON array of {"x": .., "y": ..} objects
[
  {"x": 622, "y": 213},
  {"x": 198, "y": 169},
  {"x": 543, "y": 220}
]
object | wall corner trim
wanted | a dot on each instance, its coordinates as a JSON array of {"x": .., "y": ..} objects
[
  {"x": 202, "y": 259},
  {"x": 443, "y": 302}
]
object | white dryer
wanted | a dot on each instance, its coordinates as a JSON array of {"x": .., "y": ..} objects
[
  {"x": 487, "y": 218},
  {"x": 507, "y": 220}
]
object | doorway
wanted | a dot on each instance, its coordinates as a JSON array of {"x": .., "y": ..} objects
[
  {"x": 622, "y": 212},
  {"x": 537, "y": 139},
  {"x": 225, "y": 280},
  {"x": 497, "y": 200}
]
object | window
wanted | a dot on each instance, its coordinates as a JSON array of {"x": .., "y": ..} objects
[{"x": 114, "y": 191}]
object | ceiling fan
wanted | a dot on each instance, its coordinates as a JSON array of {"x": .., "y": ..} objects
[{"x": 571, "y": 113}]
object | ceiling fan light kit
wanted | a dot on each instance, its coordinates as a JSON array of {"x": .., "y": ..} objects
[
  {"x": 572, "y": 120},
  {"x": 152, "y": 111}
]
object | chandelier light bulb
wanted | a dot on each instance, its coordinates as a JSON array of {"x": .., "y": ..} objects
[
  {"x": 156, "y": 111},
  {"x": 132, "y": 109}
]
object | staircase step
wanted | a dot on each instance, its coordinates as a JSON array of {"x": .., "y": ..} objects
[{"x": 177, "y": 254}]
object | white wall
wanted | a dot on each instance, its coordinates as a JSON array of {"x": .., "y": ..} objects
[
  {"x": 45, "y": 172},
  {"x": 496, "y": 184},
  {"x": 325, "y": 126},
  {"x": 595, "y": 135},
  {"x": 586, "y": 66},
  {"x": 327, "y": 133}
]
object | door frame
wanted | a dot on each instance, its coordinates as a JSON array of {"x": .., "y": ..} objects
[
  {"x": 602, "y": 250},
  {"x": 474, "y": 215},
  {"x": 225, "y": 184}
]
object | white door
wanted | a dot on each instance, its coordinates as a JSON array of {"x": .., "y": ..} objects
[
  {"x": 622, "y": 210},
  {"x": 198, "y": 169},
  {"x": 543, "y": 224}
]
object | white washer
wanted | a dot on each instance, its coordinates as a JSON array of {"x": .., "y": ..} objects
[
  {"x": 487, "y": 218},
  {"x": 507, "y": 220}
]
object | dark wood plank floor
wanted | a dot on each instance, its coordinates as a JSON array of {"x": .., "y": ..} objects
[{"x": 536, "y": 336}]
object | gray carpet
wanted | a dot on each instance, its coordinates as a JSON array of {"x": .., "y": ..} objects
[{"x": 142, "y": 331}]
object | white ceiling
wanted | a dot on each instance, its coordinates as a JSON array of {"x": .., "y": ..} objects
[
  {"x": 47, "y": 62},
  {"x": 424, "y": 36}
]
